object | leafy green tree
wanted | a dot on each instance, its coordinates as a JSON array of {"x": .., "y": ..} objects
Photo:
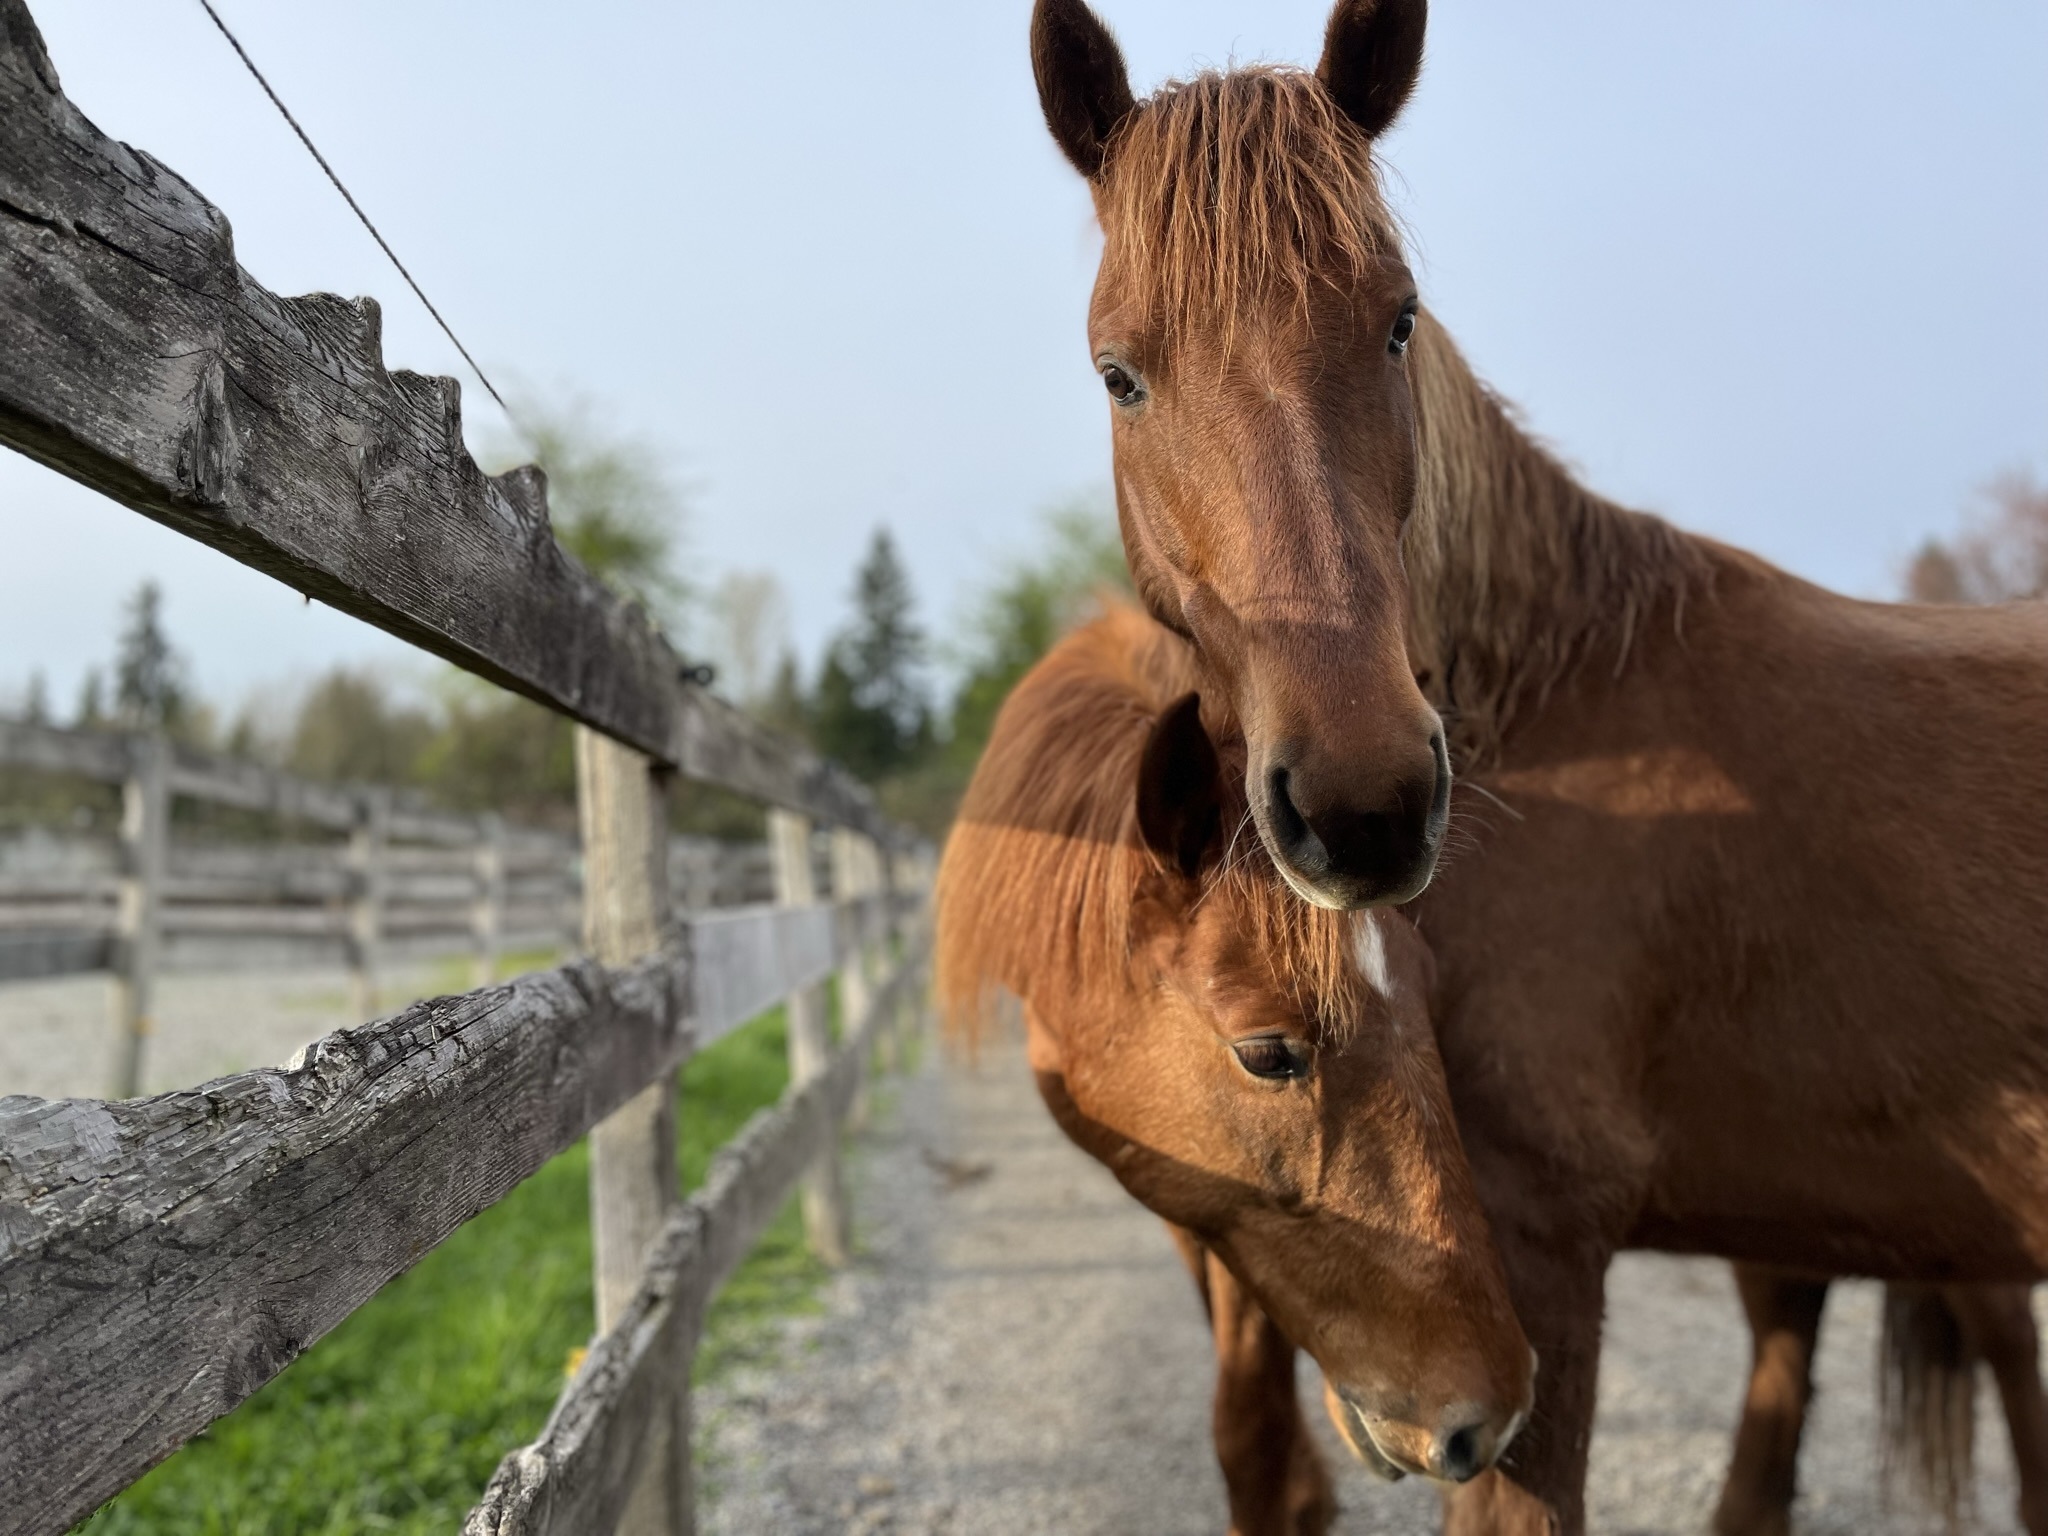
[
  {"x": 349, "y": 729},
  {"x": 1025, "y": 612},
  {"x": 612, "y": 503},
  {"x": 149, "y": 676},
  {"x": 1017, "y": 619},
  {"x": 862, "y": 738},
  {"x": 871, "y": 709},
  {"x": 494, "y": 750}
]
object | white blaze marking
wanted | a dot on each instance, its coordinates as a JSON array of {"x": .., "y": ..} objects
[{"x": 1369, "y": 949}]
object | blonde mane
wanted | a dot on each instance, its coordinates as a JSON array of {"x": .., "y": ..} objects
[
  {"x": 1518, "y": 575},
  {"x": 1228, "y": 189},
  {"x": 1044, "y": 872}
]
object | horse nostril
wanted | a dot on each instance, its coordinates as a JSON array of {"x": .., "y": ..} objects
[
  {"x": 1440, "y": 787},
  {"x": 1288, "y": 824},
  {"x": 1459, "y": 1455}
]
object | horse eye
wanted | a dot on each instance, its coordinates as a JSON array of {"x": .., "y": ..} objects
[
  {"x": 1123, "y": 389},
  {"x": 1272, "y": 1056},
  {"x": 1404, "y": 328}
]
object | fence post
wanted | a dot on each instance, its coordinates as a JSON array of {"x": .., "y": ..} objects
[
  {"x": 910, "y": 870},
  {"x": 366, "y": 900},
  {"x": 850, "y": 882},
  {"x": 622, "y": 804},
  {"x": 810, "y": 1041},
  {"x": 138, "y": 924},
  {"x": 882, "y": 878},
  {"x": 487, "y": 917}
]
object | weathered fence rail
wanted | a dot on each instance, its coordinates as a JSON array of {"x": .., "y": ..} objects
[
  {"x": 161, "y": 1258},
  {"x": 447, "y": 881},
  {"x": 571, "y": 1479}
]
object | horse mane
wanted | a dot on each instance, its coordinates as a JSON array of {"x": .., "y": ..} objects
[
  {"x": 1045, "y": 873},
  {"x": 1518, "y": 575},
  {"x": 1239, "y": 186}
]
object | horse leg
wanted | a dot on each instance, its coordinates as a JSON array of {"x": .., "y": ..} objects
[
  {"x": 1999, "y": 1323},
  {"x": 1539, "y": 1486},
  {"x": 1784, "y": 1322},
  {"x": 1272, "y": 1471}
]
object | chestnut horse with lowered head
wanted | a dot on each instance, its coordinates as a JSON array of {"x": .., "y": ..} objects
[
  {"x": 1746, "y": 948},
  {"x": 1259, "y": 1072}
]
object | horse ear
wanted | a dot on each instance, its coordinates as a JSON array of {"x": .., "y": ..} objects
[
  {"x": 1083, "y": 88},
  {"x": 1180, "y": 803},
  {"x": 1372, "y": 53}
]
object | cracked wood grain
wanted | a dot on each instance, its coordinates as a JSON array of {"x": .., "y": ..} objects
[{"x": 162, "y": 1258}]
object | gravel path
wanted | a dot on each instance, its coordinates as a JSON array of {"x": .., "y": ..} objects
[{"x": 1019, "y": 1350}]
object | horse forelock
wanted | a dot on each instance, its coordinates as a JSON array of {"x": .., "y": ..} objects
[
  {"x": 1226, "y": 193},
  {"x": 1044, "y": 875},
  {"x": 1233, "y": 189}
]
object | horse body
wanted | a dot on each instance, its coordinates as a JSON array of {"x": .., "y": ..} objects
[
  {"x": 1744, "y": 954},
  {"x": 1791, "y": 1002}
]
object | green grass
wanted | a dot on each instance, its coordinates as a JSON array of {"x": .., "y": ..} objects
[{"x": 396, "y": 1420}]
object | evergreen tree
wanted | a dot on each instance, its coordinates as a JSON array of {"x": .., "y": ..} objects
[
  {"x": 36, "y": 708},
  {"x": 862, "y": 738},
  {"x": 92, "y": 706},
  {"x": 871, "y": 710},
  {"x": 1034, "y": 603},
  {"x": 785, "y": 708},
  {"x": 149, "y": 689}
]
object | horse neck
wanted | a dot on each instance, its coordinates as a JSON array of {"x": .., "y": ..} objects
[{"x": 1518, "y": 574}]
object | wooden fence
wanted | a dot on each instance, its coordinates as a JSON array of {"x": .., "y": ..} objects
[
  {"x": 393, "y": 881},
  {"x": 162, "y": 1258}
]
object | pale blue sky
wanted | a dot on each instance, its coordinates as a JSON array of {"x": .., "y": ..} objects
[{"x": 1774, "y": 267}]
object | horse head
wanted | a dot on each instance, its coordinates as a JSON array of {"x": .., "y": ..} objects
[
  {"x": 1256, "y": 1070},
  {"x": 1250, "y": 321}
]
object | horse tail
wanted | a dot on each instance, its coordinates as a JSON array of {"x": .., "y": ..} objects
[{"x": 1927, "y": 1399}]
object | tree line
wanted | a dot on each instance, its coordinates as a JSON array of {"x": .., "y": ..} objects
[{"x": 905, "y": 711}]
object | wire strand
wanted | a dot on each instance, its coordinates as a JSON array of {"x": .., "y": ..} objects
[{"x": 349, "y": 197}]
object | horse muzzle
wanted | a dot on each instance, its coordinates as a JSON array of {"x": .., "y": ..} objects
[
  {"x": 1464, "y": 1442},
  {"x": 1343, "y": 845}
]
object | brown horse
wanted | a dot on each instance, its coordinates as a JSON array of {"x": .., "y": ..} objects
[
  {"x": 1744, "y": 952},
  {"x": 1934, "y": 1338},
  {"x": 1259, "y": 1072}
]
